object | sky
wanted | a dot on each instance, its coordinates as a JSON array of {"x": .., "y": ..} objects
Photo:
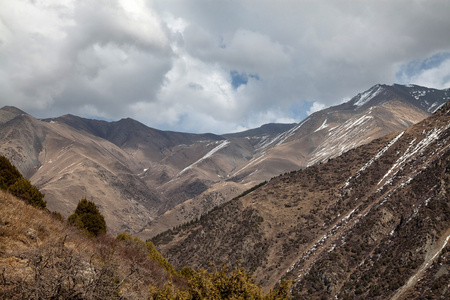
[{"x": 214, "y": 66}]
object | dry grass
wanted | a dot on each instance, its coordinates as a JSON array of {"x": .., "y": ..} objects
[
  {"x": 41, "y": 257},
  {"x": 22, "y": 226}
]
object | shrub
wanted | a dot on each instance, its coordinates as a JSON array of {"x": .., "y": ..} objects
[
  {"x": 12, "y": 181},
  {"x": 57, "y": 216},
  {"x": 150, "y": 250},
  {"x": 24, "y": 190},
  {"x": 223, "y": 283},
  {"x": 87, "y": 217},
  {"x": 8, "y": 173}
]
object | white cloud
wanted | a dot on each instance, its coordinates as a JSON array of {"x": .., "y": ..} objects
[
  {"x": 168, "y": 63},
  {"x": 432, "y": 72},
  {"x": 438, "y": 77},
  {"x": 250, "y": 52},
  {"x": 316, "y": 106}
]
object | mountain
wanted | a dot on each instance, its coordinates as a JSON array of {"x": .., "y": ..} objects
[
  {"x": 133, "y": 136},
  {"x": 147, "y": 180},
  {"x": 9, "y": 112},
  {"x": 264, "y": 130},
  {"x": 381, "y": 110},
  {"x": 22, "y": 138},
  {"x": 373, "y": 222},
  {"x": 330, "y": 132},
  {"x": 158, "y": 155},
  {"x": 68, "y": 164}
]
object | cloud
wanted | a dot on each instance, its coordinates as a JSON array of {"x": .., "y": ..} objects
[
  {"x": 86, "y": 51},
  {"x": 254, "y": 52},
  {"x": 316, "y": 106},
  {"x": 432, "y": 72},
  {"x": 213, "y": 66}
]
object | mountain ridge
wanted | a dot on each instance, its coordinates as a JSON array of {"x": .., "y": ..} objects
[
  {"x": 371, "y": 223},
  {"x": 176, "y": 177}
]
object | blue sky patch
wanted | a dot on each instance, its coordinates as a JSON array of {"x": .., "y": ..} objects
[
  {"x": 238, "y": 79},
  {"x": 418, "y": 66}
]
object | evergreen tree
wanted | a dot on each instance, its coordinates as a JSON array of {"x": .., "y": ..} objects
[
  {"x": 12, "y": 181},
  {"x": 8, "y": 173},
  {"x": 88, "y": 217},
  {"x": 24, "y": 190}
]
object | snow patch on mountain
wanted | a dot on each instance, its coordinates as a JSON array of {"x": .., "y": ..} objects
[
  {"x": 377, "y": 156},
  {"x": 324, "y": 125},
  {"x": 418, "y": 94},
  {"x": 342, "y": 138},
  {"x": 257, "y": 159},
  {"x": 412, "y": 150},
  {"x": 368, "y": 95},
  {"x": 330, "y": 233},
  {"x": 435, "y": 106},
  {"x": 221, "y": 145},
  {"x": 279, "y": 139}
]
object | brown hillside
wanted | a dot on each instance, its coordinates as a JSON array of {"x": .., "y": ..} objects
[
  {"x": 146, "y": 180},
  {"x": 42, "y": 258},
  {"x": 371, "y": 223},
  {"x": 325, "y": 134}
]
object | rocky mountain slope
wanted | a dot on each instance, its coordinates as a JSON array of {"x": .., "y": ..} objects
[
  {"x": 69, "y": 164},
  {"x": 330, "y": 132},
  {"x": 371, "y": 223},
  {"x": 325, "y": 134},
  {"x": 146, "y": 180}
]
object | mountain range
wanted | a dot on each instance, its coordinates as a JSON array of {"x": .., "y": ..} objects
[
  {"x": 146, "y": 181},
  {"x": 372, "y": 223}
]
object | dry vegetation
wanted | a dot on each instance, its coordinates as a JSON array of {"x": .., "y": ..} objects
[{"x": 42, "y": 258}]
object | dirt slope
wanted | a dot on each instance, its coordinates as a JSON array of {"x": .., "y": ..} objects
[{"x": 367, "y": 224}]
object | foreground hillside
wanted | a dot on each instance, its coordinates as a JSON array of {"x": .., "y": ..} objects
[
  {"x": 371, "y": 223},
  {"x": 43, "y": 258}
]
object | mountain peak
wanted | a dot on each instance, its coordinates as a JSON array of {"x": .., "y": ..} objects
[
  {"x": 428, "y": 99},
  {"x": 12, "y": 109},
  {"x": 9, "y": 112},
  {"x": 365, "y": 97}
]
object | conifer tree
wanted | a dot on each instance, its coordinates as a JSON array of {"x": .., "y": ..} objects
[
  {"x": 88, "y": 217},
  {"x": 12, "y": 181}
]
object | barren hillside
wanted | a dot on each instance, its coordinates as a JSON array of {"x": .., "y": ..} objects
[
  {"x": 147, "y": 180},
  {"x": 325, "y": 134},
  {"x": 371, "y": 223}
]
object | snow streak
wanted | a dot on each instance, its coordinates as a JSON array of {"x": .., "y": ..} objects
[
  {"x": 410, "y": 152},
  {"x": 217, "y": 148},
  {"x": 369, "y": 95},
  {"x": 324, "y": 125},
  {"x": 370, "y": 162}
]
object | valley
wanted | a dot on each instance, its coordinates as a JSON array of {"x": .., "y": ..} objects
[
  {"x": 147, "y": 180},
  {"x": 351, "y": 202}
]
